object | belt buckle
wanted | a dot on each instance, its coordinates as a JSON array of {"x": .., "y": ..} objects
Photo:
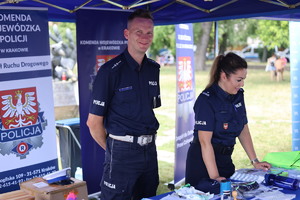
[{"x": 144, "y": 140}]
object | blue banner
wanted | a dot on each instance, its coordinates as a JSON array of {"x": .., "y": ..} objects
[
  {"x": 100, "y": 37},
  {"x": 185, "y": 96},
  {"x": 27, "y": 122},
  {"x": 22, "y": 33},
  {"x": 294, "y": 28}
]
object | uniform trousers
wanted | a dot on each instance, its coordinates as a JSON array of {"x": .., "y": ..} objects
[
  {"x": 130, "y": 171},
  {"x": 196, "y": 169}
]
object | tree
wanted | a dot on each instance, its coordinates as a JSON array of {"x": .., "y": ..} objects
[
  {"x": 270, "y": 33},
  {"x": 234, "y": 33},
  {"x": 273, "y": 33},
  {"x": 164, "y": 37},
  {"x": 201, "y": 45}
]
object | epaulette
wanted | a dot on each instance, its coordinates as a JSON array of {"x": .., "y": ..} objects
[
  {"x": 114, "y": 63},
  {"x": 206, "y": 93},
  {"x": 153, "y": 62}
]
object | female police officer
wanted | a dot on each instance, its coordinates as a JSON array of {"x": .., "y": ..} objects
[{"x": 220, "y": 117}]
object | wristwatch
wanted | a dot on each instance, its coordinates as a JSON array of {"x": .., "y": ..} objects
[{"x": 255, "y": 160}]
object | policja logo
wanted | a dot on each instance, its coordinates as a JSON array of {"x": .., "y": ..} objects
[{"x": 21, "y": 125}]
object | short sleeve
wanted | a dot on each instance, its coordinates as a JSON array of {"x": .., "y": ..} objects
[
  {"x": 245, "y": 119},
  {"x": 100, "y": 92},
  {"x": 204, "y": 114}
]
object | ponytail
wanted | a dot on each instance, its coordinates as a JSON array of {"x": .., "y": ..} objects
[
  {"x": 228, "y": 64},
  {"x": 215, "y": 71}
]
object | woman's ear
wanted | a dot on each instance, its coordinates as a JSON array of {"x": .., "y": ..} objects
[{"x": 223, "y": 75}]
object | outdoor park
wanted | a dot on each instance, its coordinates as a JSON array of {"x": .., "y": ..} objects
[
  {"x": 268, "y": 102},
  {"x": 268, "y": 106}
]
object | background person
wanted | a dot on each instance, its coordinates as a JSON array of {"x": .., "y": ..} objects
[
  {"x": 280, "y": 64},
  {"x": 271, "y": 66},
  {"x": 220, "y": 117},
  {"x": 121, "y": 119}
]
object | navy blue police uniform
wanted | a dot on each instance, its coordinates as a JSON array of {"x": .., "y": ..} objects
[
  {"x": 126, "y": 94},
  {"x": 224, "y": 115}
]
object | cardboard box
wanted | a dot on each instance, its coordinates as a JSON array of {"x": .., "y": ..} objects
[
  {"x": 16, "y": 195},
  {"x": 41, "y": 190}
]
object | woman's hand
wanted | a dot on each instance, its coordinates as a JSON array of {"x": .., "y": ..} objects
[
  {"x": 220, "y": 178},
  {"x": 262, "y": 165}
]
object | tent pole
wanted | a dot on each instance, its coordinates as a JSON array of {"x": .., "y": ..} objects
[{"x": 216, "y": 39}]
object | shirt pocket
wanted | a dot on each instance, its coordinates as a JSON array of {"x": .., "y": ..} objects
[
  {"x": 222, "y": 117},
  {"x": 226, "y": 124},
  {"x": 126, "y": 95},
  {"x": 154, "y": 96}
]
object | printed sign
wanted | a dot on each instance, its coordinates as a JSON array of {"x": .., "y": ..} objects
[
  {"x": 295, "y": 82},
  {"x": 185, "y": 97},
  {"x": 27, "y": 122},
  {"x": 22, "y": 124}
]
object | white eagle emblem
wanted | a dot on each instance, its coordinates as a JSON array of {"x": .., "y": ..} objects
[{"x": 19, "y": 113}]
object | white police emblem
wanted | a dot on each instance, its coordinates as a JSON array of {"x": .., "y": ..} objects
[{"x": 21, "y": 124}]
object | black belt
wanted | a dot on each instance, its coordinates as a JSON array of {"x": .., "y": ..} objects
[
  {"x": 224, "y": 150},
  {"x": 218, "y": 148}
]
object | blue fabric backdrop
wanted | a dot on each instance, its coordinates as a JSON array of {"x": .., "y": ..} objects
[
  {"x": 174, "y": 12},
  {"x": 93, "y": 49}
]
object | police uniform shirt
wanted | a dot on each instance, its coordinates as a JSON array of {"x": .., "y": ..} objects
[
  {"x": 221, "y": 113},
  {"x": 125, "y": 94}
]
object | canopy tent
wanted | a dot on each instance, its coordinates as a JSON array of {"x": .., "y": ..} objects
[{"x": 172, "y": 11}]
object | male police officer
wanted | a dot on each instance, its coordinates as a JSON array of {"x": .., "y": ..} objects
[{"x": 121, "y": 119}]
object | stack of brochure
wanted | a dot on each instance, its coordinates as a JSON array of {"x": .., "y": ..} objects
[
  {"x": 249, "y": 175},
  {"x": 57, "y": 176}
]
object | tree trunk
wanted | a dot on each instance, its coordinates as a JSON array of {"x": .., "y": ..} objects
[
  {"x": 200, "y": 54},
  {"x": 264, "y": 56},
  {"x": 223, "y": 44}
]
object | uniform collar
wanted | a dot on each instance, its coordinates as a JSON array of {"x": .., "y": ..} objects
[
  {"x": 131, "y": 62},
  {"x": 222, "y": 93}
]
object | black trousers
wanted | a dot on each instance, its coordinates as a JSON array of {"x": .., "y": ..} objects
[
  {"x": 130, "y": 171},
  {"x": 196, "y": 169}
]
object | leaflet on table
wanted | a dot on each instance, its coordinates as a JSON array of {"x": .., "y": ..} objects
[
  {"x": 60, "y": 175},
  {"x": 248, "y": 175},
  {"x": 258, "y": 175},
  {"x": 265, "y": 193},
  {"x": 188, "y": 192},
  {"x": 274, "y": 195}
]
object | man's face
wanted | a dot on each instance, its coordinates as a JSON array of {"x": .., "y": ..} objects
[{"x": 139, "y": 35}]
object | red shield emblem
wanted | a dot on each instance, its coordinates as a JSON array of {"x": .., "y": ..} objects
[
  {"x": 225, "y": 126},
  {"x": 101, "y": 59},
  {"x": 185, "y": 74},
  {"x": 18, "y": 107}
]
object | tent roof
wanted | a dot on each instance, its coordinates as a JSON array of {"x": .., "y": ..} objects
[{"x": 172, "y": 11}]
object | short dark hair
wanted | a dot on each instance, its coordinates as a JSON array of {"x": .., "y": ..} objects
[{"x": 141, "y": 13}]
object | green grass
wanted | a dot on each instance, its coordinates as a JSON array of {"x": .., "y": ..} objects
[{"x": 268, "y": 106}]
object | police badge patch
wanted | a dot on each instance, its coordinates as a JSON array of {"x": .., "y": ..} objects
[
  {"x": 21, "y": 122},
  {"x": 225, "y": 126}
]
